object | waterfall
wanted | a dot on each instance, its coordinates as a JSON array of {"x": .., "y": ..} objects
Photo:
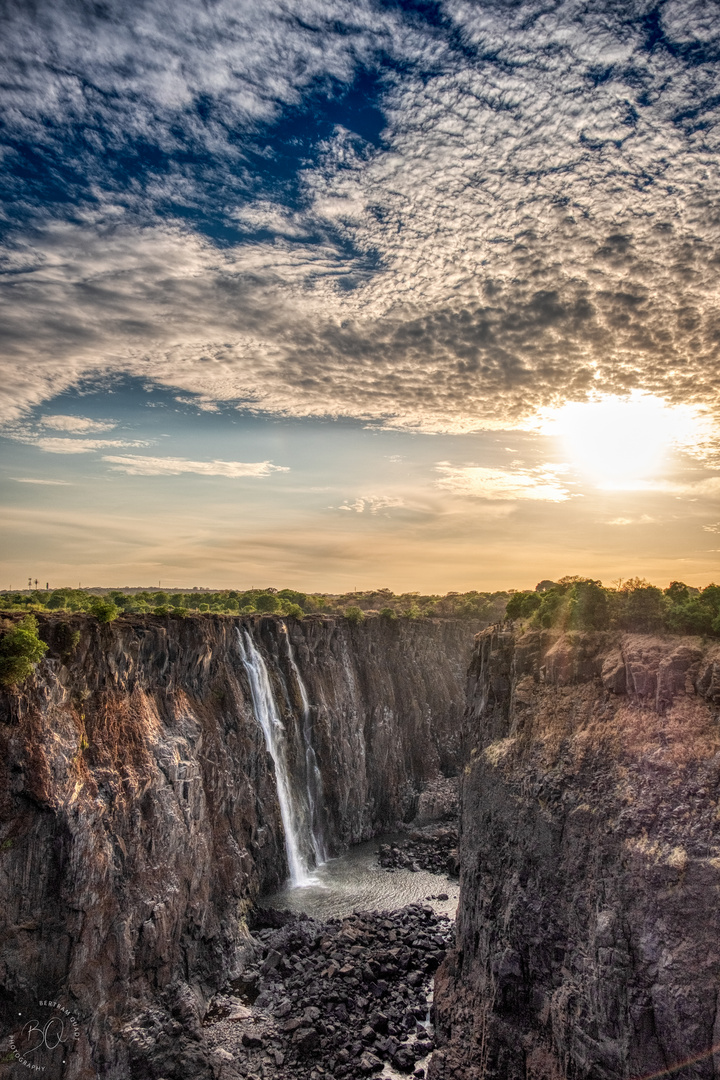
[
  {"x": 267, "y": 715},
  {"x": 313, "y": 776}
]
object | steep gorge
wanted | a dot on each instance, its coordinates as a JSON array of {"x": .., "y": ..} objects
[
  {"x": 140, "y": 812},
  {"x": 589, "y": 918}
]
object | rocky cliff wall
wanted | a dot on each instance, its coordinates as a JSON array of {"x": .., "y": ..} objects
[
  {"x": 588, "y": 935},
  {"x": 139, "y": 812}
]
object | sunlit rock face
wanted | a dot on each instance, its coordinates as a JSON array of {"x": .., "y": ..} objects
[
  {"x": 590, "y": 861},
  {"x": 140, "y": 813}
]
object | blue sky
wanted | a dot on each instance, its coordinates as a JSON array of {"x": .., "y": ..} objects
[{"x": 283, "y": 281}]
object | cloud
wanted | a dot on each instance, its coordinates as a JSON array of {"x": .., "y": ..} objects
[
  {"x": 78, "y": 446},
  {"x": 372, "y": 504},
  {"x": 539, "y": 484},
  {"x": 538, "y": 222},
  {"x": 34, "y": 480},
  {"x": 137, "y": 465},
  {"x": 76, "y": 424},
  {"x": 644, "y": 519},
  {"x": 714, "y": 528}
]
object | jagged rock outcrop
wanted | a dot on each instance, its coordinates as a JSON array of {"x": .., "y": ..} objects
[
  {"x": 589, "y": 921},
  {"x": 139, "y": 812}
]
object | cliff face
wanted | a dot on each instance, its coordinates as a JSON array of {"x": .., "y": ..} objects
[
  {"x": 589, "y": 919},
  {"x": 139, "y": 811}
]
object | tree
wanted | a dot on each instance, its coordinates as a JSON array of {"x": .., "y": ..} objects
[
  {"x": 588, "y": 606},
  {"x": 293, "y": 610},
  {"x": 678, "y": 592},
  {"x": 354, "y": 614},
  {"x": 267, "y": 602},
  {"x": 521, "y": 605},
  {"x": 20, "y": 650},
  {"x": 644, "y": 608}
]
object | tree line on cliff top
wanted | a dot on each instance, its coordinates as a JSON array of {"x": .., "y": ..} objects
[
  {"x": 107, "y": 604},
  {"x": 576, "y": 603},
  {"x": 572, "y": 603}
]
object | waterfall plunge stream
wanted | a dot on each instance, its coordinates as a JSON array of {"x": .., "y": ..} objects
[
  {"x": 299, "y": 822},
  {"x": 313, "y": 776}
]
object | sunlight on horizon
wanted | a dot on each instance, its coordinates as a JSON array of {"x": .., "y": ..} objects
[{"x": 622, "y": 443}]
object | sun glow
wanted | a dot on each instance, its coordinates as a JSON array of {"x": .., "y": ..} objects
[{"x": 622, "y": 443}]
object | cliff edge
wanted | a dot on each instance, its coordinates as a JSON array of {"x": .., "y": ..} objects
[
  {"x": 139, "y": 812},
  {"x": 589, "y": 922}
]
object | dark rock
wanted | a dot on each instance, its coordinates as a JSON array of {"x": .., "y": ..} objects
[
  {"x": 369, "y": 1063},
  {"x": 566, "y": 967},
  {"x": 252, "y": 1041},
  {"x": 305, "y": 1038}
]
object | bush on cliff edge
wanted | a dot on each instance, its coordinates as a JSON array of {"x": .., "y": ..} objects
[{"x": 20, "y": 650}]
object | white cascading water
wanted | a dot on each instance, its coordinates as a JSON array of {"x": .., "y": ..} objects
[
  {"x": 274, "y": 732},
  {"x": 313, "y": 776}
]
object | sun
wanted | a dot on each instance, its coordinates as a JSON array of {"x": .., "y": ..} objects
[{"x": 621, "y": 443}]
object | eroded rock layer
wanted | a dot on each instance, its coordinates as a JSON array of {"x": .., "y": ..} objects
[
  {"x": 588, "y": 934},
  {"x": 139, "y": 812}
]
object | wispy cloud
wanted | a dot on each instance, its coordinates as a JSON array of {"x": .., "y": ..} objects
[
  {"x": 76, "y": 424},
  {"x": 644, "y": 519},
  {"x": 80, "y": 446},
  {"x": 541, "y": 484},
  {"x": 136, "y": 465},
  {"x": 37, "y": 480}
]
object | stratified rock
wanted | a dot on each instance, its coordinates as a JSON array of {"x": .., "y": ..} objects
[{"x": 589, "y": 915}]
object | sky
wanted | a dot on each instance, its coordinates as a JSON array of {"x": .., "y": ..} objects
[{"x": 381, "y": 293}]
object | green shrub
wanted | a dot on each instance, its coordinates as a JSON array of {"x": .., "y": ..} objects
[
  {"x": 354, "y": 614},
  {"x": 293, "y": 610},
  {"x": 20, "y": 650},
  {"x": 388, "y": 614},
  {"x": 103, "y": 610},
  {"x": 161, "y": 609}
]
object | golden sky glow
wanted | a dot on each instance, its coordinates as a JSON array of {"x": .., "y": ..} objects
[{"x": 622, "y": 443}]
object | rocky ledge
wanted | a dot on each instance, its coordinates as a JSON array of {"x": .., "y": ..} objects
[
  {"x": 432, "y": 848},
  {"x": 341, "y": 998}
]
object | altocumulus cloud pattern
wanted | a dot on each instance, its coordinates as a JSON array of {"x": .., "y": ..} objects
[{"x": 437, "y": 215}]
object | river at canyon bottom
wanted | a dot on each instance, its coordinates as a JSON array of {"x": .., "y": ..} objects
[{"x": 355, "y": 881}]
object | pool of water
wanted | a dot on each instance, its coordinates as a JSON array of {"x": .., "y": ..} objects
[{"x": 355, "y": 880}]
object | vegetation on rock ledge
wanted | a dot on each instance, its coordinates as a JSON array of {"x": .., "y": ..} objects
[
  {"x": 576, "y": 603},
  {"x": 20, "y": 650}
]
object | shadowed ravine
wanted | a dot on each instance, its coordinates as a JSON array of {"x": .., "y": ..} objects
[{"x": 172, "y": 772}]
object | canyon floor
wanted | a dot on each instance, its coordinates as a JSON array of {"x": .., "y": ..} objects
[{"x": 343, "y": 997}]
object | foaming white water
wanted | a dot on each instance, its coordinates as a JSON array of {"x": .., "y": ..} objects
[
  {"x": 313, "y": 776},
  {"x": 355, "y": 880},
  {"x": 274, "y": 731}
]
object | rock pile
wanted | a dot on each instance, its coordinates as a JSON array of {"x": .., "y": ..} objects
[
  {"x": 339, "y": 998},
  {"x": 433, "y": 848}
]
